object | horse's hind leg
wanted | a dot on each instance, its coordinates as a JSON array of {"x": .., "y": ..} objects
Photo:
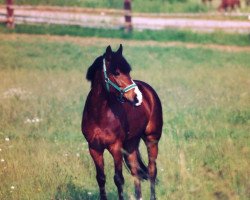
[
  {"x": 100, "y": 176},
  {"x": 116, "y": 152},
  {"x": 152, "y": 147}
]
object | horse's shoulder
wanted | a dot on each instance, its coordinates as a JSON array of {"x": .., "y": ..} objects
[
  {"x": 149, "y": 94},
  {"x": 146, "y": 88}
]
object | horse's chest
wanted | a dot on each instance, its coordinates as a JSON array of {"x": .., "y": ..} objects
[
  {"x": 105, "y": 130},
  {"x": 115, "y": 124},
  {"x": 102, "y": 137},
  {"x": 137, "y": 123},
  {"x": 133, "y": 121}
]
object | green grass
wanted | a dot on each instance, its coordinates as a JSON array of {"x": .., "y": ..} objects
[
  {"x": 204, "y": 151},
  {"x": 155, "y": 6},
  {"x": 161, "y": 35},
  {"x": 148, "y": 6}
]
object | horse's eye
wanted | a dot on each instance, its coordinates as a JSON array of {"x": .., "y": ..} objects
[{"x": 116, "y": 73}]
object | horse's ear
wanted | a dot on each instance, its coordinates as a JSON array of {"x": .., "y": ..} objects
[
  {"x": 119, "y": 51},
  {"x": 108, "y": 53}
]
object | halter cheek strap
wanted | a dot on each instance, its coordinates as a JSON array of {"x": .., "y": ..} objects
[{"x": 109, "y": 82}]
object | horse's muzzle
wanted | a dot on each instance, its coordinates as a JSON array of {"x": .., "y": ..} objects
[
  {"x": 134, "y": 96},
  {"x": 138, "y": 97}
]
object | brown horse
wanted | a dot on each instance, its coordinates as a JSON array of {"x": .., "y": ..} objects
[
  {"x": 225, "y": 4},
  {"x": 118, "y": 113}
]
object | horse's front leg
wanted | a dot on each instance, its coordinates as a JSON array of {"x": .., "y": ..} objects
[
  {"x": 100, "y": 176},
  {"x": 116, "y": 152}
]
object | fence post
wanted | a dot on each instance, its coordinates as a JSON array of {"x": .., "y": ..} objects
[
  {"x": 10, "y": 14},
  {"x": 128, "y": 16}
]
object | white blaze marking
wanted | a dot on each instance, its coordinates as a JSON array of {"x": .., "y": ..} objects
[{"x": 139, "y": 96}]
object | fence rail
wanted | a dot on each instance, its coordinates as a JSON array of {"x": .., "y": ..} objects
[
  {"x": 110, "y": 18},
  {"x": 47, "y": 15},
  {"x": 67, "y": 16}
]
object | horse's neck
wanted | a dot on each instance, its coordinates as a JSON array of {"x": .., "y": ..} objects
[
  {"x": 98, "y": 91},
  {"x": 99, "y": 94},
  {"x": 101, "y": 99}
]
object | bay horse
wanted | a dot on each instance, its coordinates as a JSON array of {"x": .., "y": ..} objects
[
  {"x": 225, "y": 4},
  {"x": 118, "y": 113}
]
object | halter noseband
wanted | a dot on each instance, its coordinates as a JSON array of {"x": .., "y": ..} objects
[{"x": 109, "y": 82}]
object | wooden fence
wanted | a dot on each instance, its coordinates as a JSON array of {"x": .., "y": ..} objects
[
  {"x": 117, "y": 19},
  {"x": 23, "y": 15},
  {"x": 10, "y": 14}
]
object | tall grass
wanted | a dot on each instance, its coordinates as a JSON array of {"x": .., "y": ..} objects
[{"x": 204, "y": 151}]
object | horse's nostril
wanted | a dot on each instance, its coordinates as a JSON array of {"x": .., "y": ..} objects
[{"x": 136, "y": 100}]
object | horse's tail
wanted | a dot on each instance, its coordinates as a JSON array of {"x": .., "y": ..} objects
[{"x": 142, "y": 169}]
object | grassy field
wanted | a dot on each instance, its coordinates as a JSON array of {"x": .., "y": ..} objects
[
  {"x": 166, "y": 35},
  {"x": 149, "y": 6},
  {"x": 205, "y": 148}
]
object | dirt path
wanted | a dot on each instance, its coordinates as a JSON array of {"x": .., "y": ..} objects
[
  {"x": 106, "y": 41},
  {"x": 115, "y": 20}
]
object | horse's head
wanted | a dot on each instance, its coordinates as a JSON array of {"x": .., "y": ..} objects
[{"x": 116, "y": 74}]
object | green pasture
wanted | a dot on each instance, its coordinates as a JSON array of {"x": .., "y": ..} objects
[
  {"x": 166, "y": 35},
  {"x": 149, "y": 6},
  {"x": 205, "y": 147}
]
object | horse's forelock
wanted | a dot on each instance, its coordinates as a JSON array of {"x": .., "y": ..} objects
[
  {"x": 124, "y": 65},
  {"x": 119, "y": 61}
]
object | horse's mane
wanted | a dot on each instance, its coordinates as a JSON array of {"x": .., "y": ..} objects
[
  {"x": 118, "y": 61},
  {"x": 97, "y": 64}
]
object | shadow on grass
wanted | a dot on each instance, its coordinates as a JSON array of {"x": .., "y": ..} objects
[{"x": 74, "y": 192}]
